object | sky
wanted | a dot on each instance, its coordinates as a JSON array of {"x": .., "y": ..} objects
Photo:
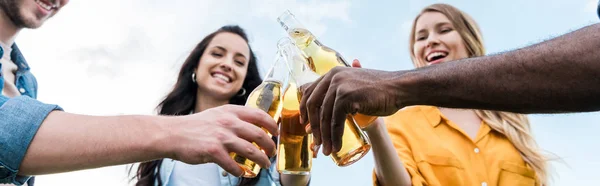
[{"x": 112, "y": 57}]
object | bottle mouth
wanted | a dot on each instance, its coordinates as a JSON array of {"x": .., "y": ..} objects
[
  {"x": 284, "y": 42},
  {"x": 284, "y": 49},
  {"x": 287, "y": 20}
]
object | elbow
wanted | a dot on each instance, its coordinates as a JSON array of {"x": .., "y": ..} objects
[
  {"x": 407, "y": 183},
  {"x": 393, "y": 182}
]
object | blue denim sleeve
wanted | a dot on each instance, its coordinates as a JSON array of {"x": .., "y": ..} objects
[{"x": 20, "y": 119}]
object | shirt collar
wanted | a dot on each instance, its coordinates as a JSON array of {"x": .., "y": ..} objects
[
  {"x": 433, "y": 115},
  {"x": 17, "y": 58}
]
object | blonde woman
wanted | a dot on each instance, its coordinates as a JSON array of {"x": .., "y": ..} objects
[{"x": 444, "y": 146}]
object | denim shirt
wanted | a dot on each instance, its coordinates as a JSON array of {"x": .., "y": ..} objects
[
  {"x": 20, "y": 118},
  {"x": 268, "y": 177}
]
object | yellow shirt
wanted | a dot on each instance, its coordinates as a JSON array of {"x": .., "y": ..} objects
[{"x": 436, "y": 151}]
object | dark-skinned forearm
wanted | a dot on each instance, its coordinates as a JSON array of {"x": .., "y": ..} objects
[{"x": 558, "y": 75}]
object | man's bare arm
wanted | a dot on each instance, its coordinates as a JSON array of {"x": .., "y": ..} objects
[{"x": 68, "y": 142}]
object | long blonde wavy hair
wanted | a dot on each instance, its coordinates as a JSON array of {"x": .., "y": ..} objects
[{"x": 514, "y": 126}]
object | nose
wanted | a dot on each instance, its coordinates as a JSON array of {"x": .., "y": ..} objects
[
  {"x": 433, "y": 40},
  {"x": 226, "y": 65}
]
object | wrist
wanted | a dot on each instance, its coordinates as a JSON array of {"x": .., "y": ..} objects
[
  {"x": 159, "y": 137},
  {"x": 406, "y": 86}
]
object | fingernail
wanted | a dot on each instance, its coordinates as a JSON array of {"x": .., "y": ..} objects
[{"x": 315, "y": 150}]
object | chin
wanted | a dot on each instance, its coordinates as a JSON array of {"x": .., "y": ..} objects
[
  {"x": 33, "y": 23},
  {"x": 33, "y": 26},
  {"x": 223, "y": 94}
]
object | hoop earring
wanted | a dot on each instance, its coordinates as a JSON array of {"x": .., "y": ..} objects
[
  {"x": 194, "y": 77},
  {"x": 243, "y": 92}
]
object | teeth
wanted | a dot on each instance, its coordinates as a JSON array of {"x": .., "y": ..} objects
[
  {"x": 223, "y": 77},
  {"x": 435, "y": 54},
  {"x": 44, "y": 5}
]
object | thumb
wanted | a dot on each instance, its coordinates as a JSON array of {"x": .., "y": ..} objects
[{"x": 356, "y": 64}]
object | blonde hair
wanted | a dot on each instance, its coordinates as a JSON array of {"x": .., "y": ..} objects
[{"x": 512, "y": 125}]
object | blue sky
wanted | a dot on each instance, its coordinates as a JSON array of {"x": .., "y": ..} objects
[{"x": 106, "y": 57}]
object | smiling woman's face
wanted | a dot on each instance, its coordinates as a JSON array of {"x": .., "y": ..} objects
[
  {"x": 223, "y": 66},
  {"x": 436, "y": 40}
]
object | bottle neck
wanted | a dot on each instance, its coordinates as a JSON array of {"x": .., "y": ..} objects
[{"x": 278, "y": 71}]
